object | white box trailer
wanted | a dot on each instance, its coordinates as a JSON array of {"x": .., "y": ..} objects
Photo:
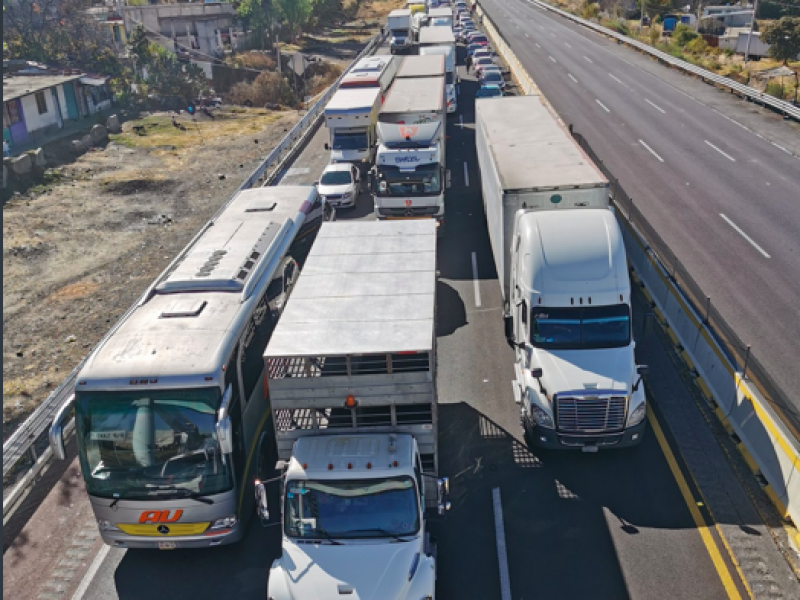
[
  {"x": 449, "y": 53},
  {"x": 352, "y": 385},
  {"x": 561, "y": 262},
  {"x": 409, "y": 178},
  {"x": 351, "y": 117},
  {"x": 400, "y": 36}
]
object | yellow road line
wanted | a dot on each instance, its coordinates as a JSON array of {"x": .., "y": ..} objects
[{"x": 702, "y": 527}]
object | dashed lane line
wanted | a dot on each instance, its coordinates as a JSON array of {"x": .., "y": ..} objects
[
  {"x": 741, "y": 232},
  {"x": 651, "y": 151},
  {"x": 725, "y": 154}
]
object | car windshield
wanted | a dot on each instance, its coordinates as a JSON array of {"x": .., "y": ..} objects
[
  {"x": 492, "y": 77},
  {"x": 350, "y": 141},
  {"x": 581, "y": 328},
  {"x": 423, "y": 181},
  {"x": 336, "y": 178},
  {"x": 369, "y": 508},
  {"x": 491, "y": 92},
  {"x": 483, "y": 60},
  {"x": 151, "y": 443}
]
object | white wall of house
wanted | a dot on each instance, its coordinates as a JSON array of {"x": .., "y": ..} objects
[
  {"x": 33, "y": 119},
  {"x": 62, "y": 100}
]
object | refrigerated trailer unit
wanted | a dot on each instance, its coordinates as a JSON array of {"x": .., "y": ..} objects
[
  {"x": 352, "y": 382},
  {"x": 562, "y": 267}
]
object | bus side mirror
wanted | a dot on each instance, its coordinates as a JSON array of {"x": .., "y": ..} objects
[
  {"x": 224, "y": 428},
  {"x": 56, "y": 433},
  {"x": 443, "y": 495},
  {"x": 262, "y": 504}
]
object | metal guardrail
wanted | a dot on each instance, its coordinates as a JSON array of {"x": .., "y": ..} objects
[
  {"x": 787, "y": 109},
  {"x": 26, "y": 451}
]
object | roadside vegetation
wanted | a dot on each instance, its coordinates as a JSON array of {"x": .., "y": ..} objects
[{"x": 781, "y": 30}]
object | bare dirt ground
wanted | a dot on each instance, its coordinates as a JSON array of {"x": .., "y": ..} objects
[{"x": 78, "y": 255}]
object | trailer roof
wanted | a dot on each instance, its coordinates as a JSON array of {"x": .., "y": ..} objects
[
  {"x": 366, "y": 288},
  {"x": 415, "y": 94},
  {"x": 532, "y": 148},
  {"x": 440, "y": 11},
  {"x": 431, "y": 65},
  {"x": 352, "y": 98},
  {"x": 440, "y": 34}
]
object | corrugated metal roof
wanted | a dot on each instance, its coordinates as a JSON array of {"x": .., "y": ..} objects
[{"x": 18, "y": 86}]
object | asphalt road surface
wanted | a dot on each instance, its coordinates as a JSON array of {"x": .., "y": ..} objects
[
  {"x": 612, "y": 525},
  {"x": 724, "y": 199}
]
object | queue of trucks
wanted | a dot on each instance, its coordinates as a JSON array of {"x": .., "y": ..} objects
[{"x": 280, "y": 335}]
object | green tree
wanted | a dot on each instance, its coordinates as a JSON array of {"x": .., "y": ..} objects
[
  {"x": 256, "y": 15},
  {"x": 295, "y": 13},
  {"x": 166, "y": 76},
  {"x": 783, "y": 37},
  {"x": 683, "y": 34}
]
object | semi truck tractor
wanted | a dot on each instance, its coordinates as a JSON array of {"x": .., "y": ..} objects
[
  {"x": 351, "y": 374},
  {"x": 562, "y": 267},
  {"x": 351, "y": 117},
  {"x": 399, "y": 24},
  {"x": 409, "y": 177}
]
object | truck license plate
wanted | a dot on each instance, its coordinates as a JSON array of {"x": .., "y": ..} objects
[{"x": 166, "y": 545}]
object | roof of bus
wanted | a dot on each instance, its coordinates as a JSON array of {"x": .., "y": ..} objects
[{"x": 186, "y": 329}]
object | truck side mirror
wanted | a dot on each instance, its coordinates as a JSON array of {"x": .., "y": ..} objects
[
  {"x": 262, "y": 504},
  {"x": 443, "y": 495},
  {"x": 642, "y": 370},
  {"x": 56, "y": 433},
  {"x": 327, "y": 146},
  {"x": 224, "y": 428},
  {"x": 537, "y": 372}
]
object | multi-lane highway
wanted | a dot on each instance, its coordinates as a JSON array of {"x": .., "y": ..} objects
[
  {"x": 725, "y": 199},
  {"x": 616, "y": 525}
]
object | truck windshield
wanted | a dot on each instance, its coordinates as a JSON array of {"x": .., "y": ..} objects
[
  {"x": 581, "y": 328},
  {"x": 151, "y": 443},
  {"x": 399, "y": 33},
  {"x": 423, "y": 181},
  {"x": 368, "y": 508},
  {"x": 350, "y": 141}
]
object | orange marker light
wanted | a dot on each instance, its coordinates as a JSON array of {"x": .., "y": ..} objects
[{"x": 350, "y": 402}]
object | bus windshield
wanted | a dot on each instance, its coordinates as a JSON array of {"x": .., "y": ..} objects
[
  {"x": 151, "y": 443},
  {"x": 581, "y": 328},
  {"x": 370, "y": 508}
]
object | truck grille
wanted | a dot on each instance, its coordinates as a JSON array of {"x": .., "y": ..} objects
[
  {"x": 591, "y": 414},
  {"x": 411, "y": 211}
]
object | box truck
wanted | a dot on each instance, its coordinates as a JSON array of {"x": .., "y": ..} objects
[
  {"x": 563, "y": 273},
  {"x": 399, "y": 24},
  {"x": 352, "y": 384},
  {"x": 351, "y": 117}
]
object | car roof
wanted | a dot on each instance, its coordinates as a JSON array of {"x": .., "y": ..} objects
[
  {"x": 490, "y": 86},
  {"x": 338, "y": 167}
]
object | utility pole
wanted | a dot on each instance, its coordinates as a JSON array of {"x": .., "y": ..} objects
[
  {"x": 641, "y": 20},
  {"x": 750, "y": 35}
]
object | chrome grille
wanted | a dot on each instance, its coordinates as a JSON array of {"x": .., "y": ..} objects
[
  {"x": 411, "y": 211},
  {"x": 591, "y": 414}
]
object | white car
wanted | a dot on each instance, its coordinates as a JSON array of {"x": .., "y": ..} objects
[{"x": 340, "y": 185}]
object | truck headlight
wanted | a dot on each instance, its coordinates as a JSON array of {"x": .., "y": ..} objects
[
  {"x": 106, "y": 525},
  {"x": 224, "y": 523},
  {"x": 541, "y": 417},
  {"x": 637, "y": 415}
]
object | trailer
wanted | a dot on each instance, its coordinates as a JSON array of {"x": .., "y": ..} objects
[{"x": 351, "y": 117}]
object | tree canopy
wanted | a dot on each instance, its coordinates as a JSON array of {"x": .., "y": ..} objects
[{"x": 783, "y": 37}]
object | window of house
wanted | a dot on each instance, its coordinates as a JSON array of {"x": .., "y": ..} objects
[
  {"x": 41, "y": 102},
  {"x": 11, "y": 114}
]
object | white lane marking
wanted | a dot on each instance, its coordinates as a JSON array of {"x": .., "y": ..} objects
[
  {"x": 90, "y": 574},
  {"x": 527, "y": 36},
  {"x": 466, "y": 174},
  {"x": 567, "y": 45},
  {"x": 537, "y": 45},
  {"x": 603, "y": 106},
  {"x": 553, "y": 34},
  {"x": 589, "y": 59},
  {"x": 617, "y": 79},
  {"x": 571, "y": 77},
  {"x": 461, "y": 121},
  {"x": 744, "y": 235},
  {"x": 653, "y": 152},
  {"x": 553, "y": 59},
  {"x": 728, "y": 156},
  {"x": 502, "y": 552},
  {"x": 656, "y": 106},
  {"x": 475, "y": 285}
]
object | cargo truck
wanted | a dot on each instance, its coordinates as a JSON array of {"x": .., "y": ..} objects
[
  {"x": 409, "y": 177},
  {"x": 352, "y": 386},
  {"x": 563, "y": 273},
  {"x": 351, "y": 117},
  {"x": 449, "y": 53},
  {"x": 399, "y": 24}
]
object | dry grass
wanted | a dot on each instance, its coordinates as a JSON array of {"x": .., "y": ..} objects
[
  {"x": 378, "y": 9},
  {"x": 162, "y": 135}
]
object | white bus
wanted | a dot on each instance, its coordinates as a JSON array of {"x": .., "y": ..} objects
[{"x": 171, "y": 408}]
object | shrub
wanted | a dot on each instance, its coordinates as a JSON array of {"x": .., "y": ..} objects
[
  {"x": 255, "y": 60},
  {"x": 267, "y": 87},
  {"x": 619, "y": 27},
  {"x": 697, "y": 46},
  {"x": 683, "y": 34},
  {"x": 775, "y": 89},
  {"x": 590, "y": 10},
  {"x": 654, "y": 35}
]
